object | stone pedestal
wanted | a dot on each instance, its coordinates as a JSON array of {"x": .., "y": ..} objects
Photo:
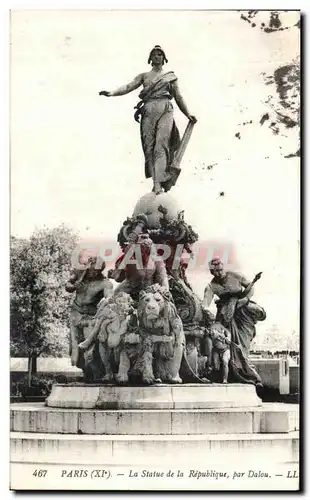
[
  {"x": 128, "y": 429},
  {"x": 260, "y": 434},
  {"x": 157, "y": 397},
  {"x": 266, "y": 419}
]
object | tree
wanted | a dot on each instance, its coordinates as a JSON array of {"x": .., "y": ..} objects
[
  {"x": 270, "y": 21},
  {"x": 39, "y": 303},
  {"x": 283, "y": 102}
]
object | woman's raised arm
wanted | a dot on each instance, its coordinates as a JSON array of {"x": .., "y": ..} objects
[{"x": 125, "y": 89}]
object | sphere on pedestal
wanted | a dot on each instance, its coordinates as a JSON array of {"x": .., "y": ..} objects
[{"x": 149, "y": 204}]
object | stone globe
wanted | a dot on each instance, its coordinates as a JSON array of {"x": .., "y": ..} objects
[{"x": 149, "y": 203}]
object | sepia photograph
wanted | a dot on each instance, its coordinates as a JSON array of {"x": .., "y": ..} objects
[{"x": 155, "y": 183}]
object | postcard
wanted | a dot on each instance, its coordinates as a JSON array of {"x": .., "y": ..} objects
[{"x": 155, "y": 250}]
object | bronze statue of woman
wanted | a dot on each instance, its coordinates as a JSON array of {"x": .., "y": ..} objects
[{"x": 159, "y": 134}]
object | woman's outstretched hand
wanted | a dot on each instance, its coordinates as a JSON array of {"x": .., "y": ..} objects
[{"x": 105, "y": 92}]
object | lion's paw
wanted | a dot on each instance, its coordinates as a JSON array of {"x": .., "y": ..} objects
[
  {"x": 108, "y": 377},
  {"x": 148, "y": 380},
  {"x": 175, "y": 380},
  {"x": 122, "y": 379}
]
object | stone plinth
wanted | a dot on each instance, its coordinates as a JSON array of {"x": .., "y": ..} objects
[
  {"x": 130, "y": 450},
  {"x": 186, "y": 426},
  {"x": 155, "y": 397},
  {"x": 268, "y": 418}
]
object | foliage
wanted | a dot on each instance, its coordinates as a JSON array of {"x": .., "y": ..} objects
[
  {"x": 283, "y": 101},
  {"x": 269, "y": 21},
  {"x": 41, "y": 385},
  {"x": 284, "y": 104},
  {"x": 39, "y": 303}
]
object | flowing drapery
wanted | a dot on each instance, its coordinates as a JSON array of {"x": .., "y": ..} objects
[{"x": 159, "y": 134}]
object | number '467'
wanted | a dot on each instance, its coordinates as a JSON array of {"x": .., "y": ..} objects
[{"x": 39, "y": 473}]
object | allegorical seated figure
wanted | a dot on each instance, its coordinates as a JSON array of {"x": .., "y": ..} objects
[
  {"x": 221, "y": 339},
  {"x": 136, "y": 271},
  {"x": 89, "y": 287},
  {"x": 159, "y": 134}
]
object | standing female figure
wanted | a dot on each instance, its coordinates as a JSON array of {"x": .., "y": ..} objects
[{"x": 159, "y": 134}]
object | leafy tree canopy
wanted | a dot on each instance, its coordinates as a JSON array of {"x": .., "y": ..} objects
[{"x": 39, "y": 303}]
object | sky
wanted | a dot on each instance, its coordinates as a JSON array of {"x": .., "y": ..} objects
[{"x": 76, "y": 158}]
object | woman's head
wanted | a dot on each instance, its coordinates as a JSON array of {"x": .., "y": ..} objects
[{"x": 157, "y": 56}]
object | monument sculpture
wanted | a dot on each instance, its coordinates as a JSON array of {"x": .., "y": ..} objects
[
  {"x": 153, "y": 328},
  {"x": 159, "y": 135},
  {"x": 89, "y": 287},
  {"x": 133, "y": 278},
  {"x": 238, "y": 313},
  {"x": 220, "y": 340},
  {"x": 110, "y": 325}
]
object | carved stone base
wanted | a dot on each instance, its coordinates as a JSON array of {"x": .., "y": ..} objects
[{"x": 163, "y": 397}]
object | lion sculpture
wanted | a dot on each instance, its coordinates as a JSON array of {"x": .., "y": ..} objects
[
  {"x": 148, "y": 342},
  {"x": 161, "y": 336},
  {"x": 111, "y": 323}
]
